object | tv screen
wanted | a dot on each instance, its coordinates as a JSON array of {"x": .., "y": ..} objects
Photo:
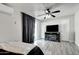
[{"x": 52, "y": 28}]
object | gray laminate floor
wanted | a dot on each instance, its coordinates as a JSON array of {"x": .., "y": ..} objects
[{"x": 57, "y": 48}]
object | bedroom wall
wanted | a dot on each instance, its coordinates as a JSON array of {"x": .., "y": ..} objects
[
  {"x": 37, "y": 29},
  {"x": 6, "y": 27},
  {"x": 77, "y": 27},
  {"x": 17, "y": 18},
  {"x": 66, "y": 27},
  {"x": 10, "y": 26}
]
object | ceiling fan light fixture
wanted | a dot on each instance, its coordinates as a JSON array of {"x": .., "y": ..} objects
[
  {"x": 47, "y": 16},
  {"x": 46, "y": 12}
]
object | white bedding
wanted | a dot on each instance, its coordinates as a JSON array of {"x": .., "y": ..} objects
[{"x": 17, "y": 47}]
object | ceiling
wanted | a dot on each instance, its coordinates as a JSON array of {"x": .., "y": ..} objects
[{"x": 35, "y": 9}]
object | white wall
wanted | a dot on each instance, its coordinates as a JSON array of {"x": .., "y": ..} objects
[
  {"x": 9, "y": 31},
  {"x": 65, "y": 23},
  {"x": 72, "y": 29},
  {"x": 37, "y": 29},
  {"x": 77, "y": 28},
  {"x": 17, "y": 17}
]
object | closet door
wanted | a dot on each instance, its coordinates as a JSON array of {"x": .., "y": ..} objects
[{"x": 28, "y": 28}]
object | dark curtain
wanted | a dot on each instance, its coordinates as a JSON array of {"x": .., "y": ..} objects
[{"x": 28, "y": 28}]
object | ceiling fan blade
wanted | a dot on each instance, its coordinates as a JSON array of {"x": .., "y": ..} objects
[
  {"x": 56, "y": 11},
  {"x": 53, "y": 15},
  {"x": 41, "y": 14}
]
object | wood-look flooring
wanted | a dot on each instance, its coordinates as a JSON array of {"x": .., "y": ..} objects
[{"x": 58, "y": 48}]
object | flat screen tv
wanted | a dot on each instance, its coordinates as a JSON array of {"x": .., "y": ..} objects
[{"x": 52, "y": 28}]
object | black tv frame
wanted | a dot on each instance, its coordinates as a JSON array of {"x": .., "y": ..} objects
[{"x": 52, "y": 28}]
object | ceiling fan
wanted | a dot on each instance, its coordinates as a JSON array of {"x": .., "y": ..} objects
[{"x": 49, "y": 13}]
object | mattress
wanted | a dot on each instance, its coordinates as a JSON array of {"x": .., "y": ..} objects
[{"x": 20, "y": 48}]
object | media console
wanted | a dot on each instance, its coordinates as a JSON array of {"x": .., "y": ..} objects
[{"x": 52, "y": 36}]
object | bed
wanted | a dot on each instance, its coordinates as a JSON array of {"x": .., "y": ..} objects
[{"x": 19, "y": 48}]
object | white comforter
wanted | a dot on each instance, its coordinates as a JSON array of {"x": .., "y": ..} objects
[{"x": 17, "y": 47}]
